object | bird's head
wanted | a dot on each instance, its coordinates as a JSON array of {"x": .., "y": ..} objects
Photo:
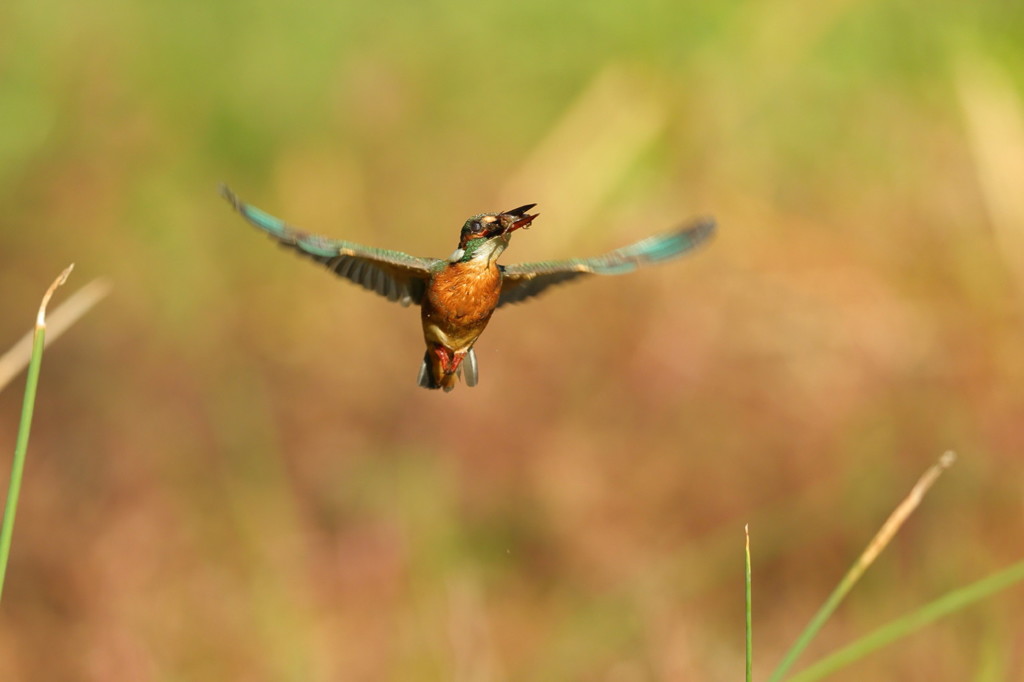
[{"x": 486, "y": 235}]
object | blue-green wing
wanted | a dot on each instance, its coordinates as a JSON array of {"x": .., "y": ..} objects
[
  {"x": 393, "y": 274},
  {"x": 526, "y": 280}
]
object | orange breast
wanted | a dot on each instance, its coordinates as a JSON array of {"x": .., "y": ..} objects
[{"x": 459, "y": 302}]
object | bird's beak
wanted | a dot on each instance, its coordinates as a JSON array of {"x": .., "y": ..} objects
[{"x": 511, "y": 221}]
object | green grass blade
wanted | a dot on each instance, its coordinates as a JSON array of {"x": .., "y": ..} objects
[
  {"x": 867, "y": 557},
  {"x": 18, "y": 466},
  {"x": 912, "y": 622},
  {"x": 24, "y": 426},
  {"x": 750, "y": 626}
]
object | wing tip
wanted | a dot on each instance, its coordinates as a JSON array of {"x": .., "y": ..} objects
[
  {"x": 695, "y": 233},
  {"x": 702, "y": 228},
  {"x": 229, "y": 196},
  {"x": 272, "y": 225}
]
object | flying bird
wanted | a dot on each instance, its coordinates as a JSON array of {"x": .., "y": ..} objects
[{"x": 458, "y": 295}]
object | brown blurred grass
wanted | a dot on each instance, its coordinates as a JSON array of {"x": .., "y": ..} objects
[{"x": 238, "y": 478}]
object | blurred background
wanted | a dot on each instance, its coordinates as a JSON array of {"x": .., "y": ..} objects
[{"x": 233, "y": 475}]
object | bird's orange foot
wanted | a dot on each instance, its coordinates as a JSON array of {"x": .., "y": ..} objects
[{"x": 449, "y": 360}]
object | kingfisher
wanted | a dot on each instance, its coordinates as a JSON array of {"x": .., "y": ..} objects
[{"x": 457, "y": 295}]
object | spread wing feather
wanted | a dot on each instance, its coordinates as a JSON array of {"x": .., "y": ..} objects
[
  {"x": 526, "y": 280},
  {"x": 395, "y": 275}
]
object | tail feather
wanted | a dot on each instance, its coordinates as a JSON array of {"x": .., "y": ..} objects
[
  {"x": 472, "y": 373},
  {"x": 426, "y": 377}
]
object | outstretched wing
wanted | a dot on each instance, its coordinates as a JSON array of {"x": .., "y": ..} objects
[
  {"x": 526, "y": 280},
  {"x": 396, "y": 275}
]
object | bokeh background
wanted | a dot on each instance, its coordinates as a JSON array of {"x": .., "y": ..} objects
[{"x": 233, "y": 475}]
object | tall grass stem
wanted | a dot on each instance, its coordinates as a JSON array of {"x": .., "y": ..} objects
[
  {"x": 912, "y": 622},
  {"x": 867, "y": 557},
  {"x": 25, "y": 425},
  {"x": 57, "y": 322},
  {"x": 749, "y": 607}
]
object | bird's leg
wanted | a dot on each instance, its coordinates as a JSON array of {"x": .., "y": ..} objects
[
  {"x": 442, "y": 356},
  {"x": 449, "y": 360},
  {"x": 456, "y": 361}
]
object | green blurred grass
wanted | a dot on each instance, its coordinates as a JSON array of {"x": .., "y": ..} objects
[{"x": 237, "y": 448}]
